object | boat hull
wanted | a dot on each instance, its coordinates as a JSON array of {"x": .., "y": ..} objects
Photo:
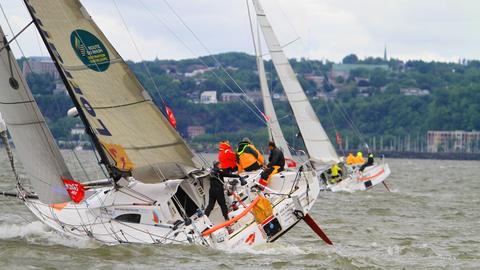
[
  {"x": 358, "y": 181},
  {"x": 113, "y": 216}
]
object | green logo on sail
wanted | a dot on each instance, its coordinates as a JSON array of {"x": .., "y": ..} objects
[{"x": 90, "y": 50}]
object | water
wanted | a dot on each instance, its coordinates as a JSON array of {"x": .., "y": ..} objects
[{"x": 431, "y": 220}]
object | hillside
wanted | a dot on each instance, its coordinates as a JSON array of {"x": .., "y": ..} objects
[{"x": 389, "y": 99}]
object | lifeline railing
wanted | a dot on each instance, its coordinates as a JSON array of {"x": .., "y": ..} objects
[{"x": 233, "y": 220}]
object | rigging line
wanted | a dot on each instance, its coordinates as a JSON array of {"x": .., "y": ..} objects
[
  {"x": 81, "y": 165},
  {"x": 206, "y": 49},
  {"x": 138, "y": 52},
  {"x": 245, "y": 103},
  {"x": 289, "y": 21},
  {"x": 15, "y": 36}
]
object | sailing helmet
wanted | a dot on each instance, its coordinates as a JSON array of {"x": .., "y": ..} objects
[{"x": 246, "y": 139}]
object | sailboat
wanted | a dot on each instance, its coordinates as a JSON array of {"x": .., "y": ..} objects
[
  {"x": 320, "y": 149},
  {"x": 155, "y": 188}
]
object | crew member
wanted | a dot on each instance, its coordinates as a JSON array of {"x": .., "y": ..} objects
[
  {"x": 217, "y": 191},
  {"x": 227, "y": 157},
  {"x": 276, "y": 164},
  {"x": 369, "y": 162},
  {"x": 359, "y": 158},
  {"x": 336, "y": 173},
  {"x": 248, "y": 157},
  {"x": 350, "y": 159}
]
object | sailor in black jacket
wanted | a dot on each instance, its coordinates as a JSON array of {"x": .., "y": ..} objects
[{"x": 276, "y": 164}]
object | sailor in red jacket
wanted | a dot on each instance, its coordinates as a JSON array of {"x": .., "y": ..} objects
[{"x": 227, "y": 157}]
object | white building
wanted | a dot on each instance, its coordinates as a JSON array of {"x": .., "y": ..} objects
[
  {"x": 231, "y": 97},
  {"x": 78, "y": 130},
  {"x": 208, "y": 97},
  {"x": 197, "y": 72}
]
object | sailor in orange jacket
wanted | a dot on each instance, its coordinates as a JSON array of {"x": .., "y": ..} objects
[
  {"x": 248, "y": 157},
  {"x": 359, "y": 158},
  {"x": 351, "y": 159},
  {"x": 227, "y": 157}
]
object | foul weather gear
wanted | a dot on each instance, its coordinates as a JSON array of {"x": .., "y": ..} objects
[
  {"x": 351, "y": 159},
  {"x": 369, "y": 162},
  {"x": 359, "y": 158},
  {"x": 217, "y": 192},
  {"x": 227, "y": 157},
  {"x": 248, "y": 157},
  {"x": 276, "y": 164}
]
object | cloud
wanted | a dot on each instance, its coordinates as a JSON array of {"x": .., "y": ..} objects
[{"x": 429, "y": 29}]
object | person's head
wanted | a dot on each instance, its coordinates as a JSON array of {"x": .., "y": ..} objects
[
  {"x": 350, "y": 154},
  {"x": 271, "y": 145},
  {"x": 359, "y": 154},
  {"x": 247, "y": 140},
  {"x": 223, "y": 145},
  {"x": 216, "y": 165}
]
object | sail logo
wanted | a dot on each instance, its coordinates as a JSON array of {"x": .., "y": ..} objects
[{"x": 90, "y": 50}]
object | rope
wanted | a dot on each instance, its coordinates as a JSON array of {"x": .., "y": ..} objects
[{"x": 245, "y": 103}]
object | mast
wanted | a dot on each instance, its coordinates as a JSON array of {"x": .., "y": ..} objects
[
  {"x": 319, "y": 146},
  {"x": 274, "y": 130}
]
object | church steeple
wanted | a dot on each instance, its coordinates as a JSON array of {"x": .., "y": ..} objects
[{"x": 385, "y": 53}]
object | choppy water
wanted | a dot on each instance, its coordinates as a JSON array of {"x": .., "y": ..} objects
[{"x": 431, "y": 220}]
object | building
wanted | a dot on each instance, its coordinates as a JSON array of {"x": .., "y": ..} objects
[
  {"x": 318, "y": 80},
  {"x": 199, "y": 71},
  {"x": 60, "y": 89},
  {"x": 40, "y": 65},
  {"x": 208, "y": 97},
  {"x": 195, "y": 131},
  {"x": 343, "y": 70},
  {"x": 231, "y": 97},
  {"x": 453, "y": 141},
  {"x": 414, "y": 92},
  {"x": 254, "y": 96},
  {"x": 77, "y": 130}
]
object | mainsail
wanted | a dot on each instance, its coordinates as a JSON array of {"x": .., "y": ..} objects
[
  {"x": 129, "y": 131},
  {"x": 318, "y": 145},
  {"x": 274, "y": 129},
  {"x": 35, "y": 146}
]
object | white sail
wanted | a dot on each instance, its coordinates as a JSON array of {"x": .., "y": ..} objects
[
  {"x": 35, "y": 146},
  {"x": 128, "y": 130},
  {"x": 318, "y": 145},
  {"x": 274, "y": 129}
]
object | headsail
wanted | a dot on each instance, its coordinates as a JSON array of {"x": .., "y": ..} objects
[
  {"x": 274, "y": 129},
  {"x": 35, "y": 146},
  {"x": 128, "y": 129},
  {"x": 318, "y": 145}
]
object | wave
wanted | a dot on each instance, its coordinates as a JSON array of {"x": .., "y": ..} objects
[{"x": 38, "y": 233}]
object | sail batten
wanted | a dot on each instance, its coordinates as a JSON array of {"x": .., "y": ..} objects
[
  {"x": 318, "y": 145},
  {"x": 121, "y": 116},
  {"x": 34, "y": 144}
]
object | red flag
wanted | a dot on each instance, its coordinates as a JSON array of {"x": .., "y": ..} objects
[
  {"x": 265, "y": 117},
  {"x": 291, "y": 163},
  {"x": 171, "y": 117},
  {"x": 74, "y": 189},
  {"x": 339, "y": 139}
]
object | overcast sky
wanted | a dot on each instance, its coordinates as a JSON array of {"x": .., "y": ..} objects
[{"x": 443, "y": 30}]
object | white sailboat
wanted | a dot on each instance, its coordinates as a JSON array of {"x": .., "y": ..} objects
[
  {"x": 319, "y": 147},
  {"x": 155, "y": 189}
]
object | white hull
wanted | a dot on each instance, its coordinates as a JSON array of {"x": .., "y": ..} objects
[
  {"x": 357, "y": 181},
  {"x": 125, "y": 216}
]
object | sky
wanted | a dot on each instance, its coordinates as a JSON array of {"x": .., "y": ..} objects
[{"x": 441, "y": 30}]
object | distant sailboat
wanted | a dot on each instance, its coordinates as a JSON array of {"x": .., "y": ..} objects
[
  {"x": 319, "y": 147},
  {"x": 155, "y": 190}
]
